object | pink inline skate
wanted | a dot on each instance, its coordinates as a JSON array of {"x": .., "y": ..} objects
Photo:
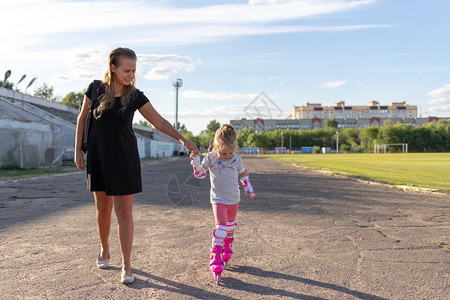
[
  {"x": 227, "y": 252},
  {"x": 216, "y": 263}
]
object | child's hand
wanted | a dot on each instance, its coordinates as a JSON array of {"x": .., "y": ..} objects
[
  {"x": 197, "y": 166},
  {"x": 250, "y": 195},
  {"x": 248, "y": 188}
]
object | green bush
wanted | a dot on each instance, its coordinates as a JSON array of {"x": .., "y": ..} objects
[{"x": 345, "y": 148}]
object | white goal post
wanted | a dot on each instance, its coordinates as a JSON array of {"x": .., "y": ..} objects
[{"x": 383, "y": 146}]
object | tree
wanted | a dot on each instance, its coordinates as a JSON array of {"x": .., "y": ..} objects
[
  {"x": 350, "y": 136},
  {"x": 213, "y": 126},
  {"x": 206, "y": 138},
  {"x": 73, "y": 99},
  {"x": 5, "y": 83},
  {"x": 191, "y": 137},
  {"x": 46, "y": 92},
  {"x": 182, "y": 129},
  {"x": 331, "y": 123},
  {"x": 242, "y": 136},
  {"x": 145, "y": 123},
  {"x": 367, "y": 137}
]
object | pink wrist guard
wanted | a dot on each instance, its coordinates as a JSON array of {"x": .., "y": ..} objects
[
  {"x": 247, "y": 186},
  {"x": 199, "y": 172}
]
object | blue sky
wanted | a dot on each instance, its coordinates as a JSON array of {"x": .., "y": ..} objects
[{"x": 227, "y": 52}]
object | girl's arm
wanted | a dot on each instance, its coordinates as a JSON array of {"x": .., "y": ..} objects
[
  {"x": 81, "y": 124},
  {"x": 243, "y": 177},
  {"x": 199, "y": 169},
  {"x": 164, "y": 126},
  {"x": 245, "y": 173}
]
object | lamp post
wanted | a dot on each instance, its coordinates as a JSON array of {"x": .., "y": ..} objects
[
  {"x": 21, "y": 79},
  {"x": 281, "y": 138},
  {"x": 31, "y": 82},
  {"x": 337, "y": 141},
  {"x": 177, "y": 84}
]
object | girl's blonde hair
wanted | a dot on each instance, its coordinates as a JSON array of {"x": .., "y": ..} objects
[
  {"x": 226, "y": 136},
  {"x": 129, "y": 91}
]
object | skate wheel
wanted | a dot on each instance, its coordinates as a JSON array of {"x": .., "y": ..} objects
[{"x": 218, "y": 277}]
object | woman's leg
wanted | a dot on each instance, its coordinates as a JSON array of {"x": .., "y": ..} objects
[
  {"x": 123, "y": 206},
  {"x": 104, "y": 205}
]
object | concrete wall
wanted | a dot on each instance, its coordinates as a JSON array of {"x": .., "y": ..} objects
[
  {"x": 161, "y": 149},
  {"x": 29, "y": 144}
]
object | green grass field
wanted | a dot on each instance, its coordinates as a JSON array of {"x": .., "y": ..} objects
[{"x": 424, "y": 170}]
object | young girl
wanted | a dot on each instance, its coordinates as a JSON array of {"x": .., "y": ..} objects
[{"x": 225, "y": 168}]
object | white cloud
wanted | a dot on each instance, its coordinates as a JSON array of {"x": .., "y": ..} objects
[
  {"x": 163, "y": 66},
  {"x": 256, "y": 2},
  {"x": 442, "y": 96},
  {"x": 83, "y": 62},
  {"x": 333, "y": 84},
  {"x": 438, "y": 100},
  {"x": 195, "y": 94},
  {"x": 439, "y": 92},
  {"x": 91, "y": 62},
  {"x": 441, "y": 110},
  {"x": 35, "y": 21},
  {"x": 223, "y": 112}
]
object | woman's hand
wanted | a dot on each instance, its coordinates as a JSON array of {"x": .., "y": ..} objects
[
  {"x": 191, "y": 146},
  {"x": 79, "y": 160}
]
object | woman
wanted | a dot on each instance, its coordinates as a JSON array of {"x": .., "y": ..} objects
[{"x": 113, "y": 166}]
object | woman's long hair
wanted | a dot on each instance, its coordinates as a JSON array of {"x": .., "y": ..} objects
[
  {"x": 129, "y": 91},
  {"x": 226, "y": 136}
]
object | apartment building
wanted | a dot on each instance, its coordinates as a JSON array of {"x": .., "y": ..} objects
[
  {"x": 342, "y": 111},
  {"x": 314, "y": 116}
]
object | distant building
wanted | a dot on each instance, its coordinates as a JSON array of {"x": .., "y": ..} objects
[
  {"x": 342, "y": 111},
  {"x": 314, "y": 115}
]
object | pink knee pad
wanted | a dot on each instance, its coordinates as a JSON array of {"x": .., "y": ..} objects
[
  {"x": 231, "y": 226},
  {"x": 219, "y": 234}
]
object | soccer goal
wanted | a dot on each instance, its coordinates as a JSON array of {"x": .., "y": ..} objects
[{"x": 404, "y": 146}]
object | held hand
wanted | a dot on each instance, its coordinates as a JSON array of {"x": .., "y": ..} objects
[
  {"x": 250, "y": 195},
  {"x": 191, "y": 147},
  {"x": 79, "y": 160},
  {"x": 199, "y": 171}
]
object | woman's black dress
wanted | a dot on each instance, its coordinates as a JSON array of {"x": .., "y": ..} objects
[{"x": 113, "y": 163}]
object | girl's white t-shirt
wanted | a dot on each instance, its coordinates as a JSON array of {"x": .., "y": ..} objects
[{"x": 224, "y": 177}]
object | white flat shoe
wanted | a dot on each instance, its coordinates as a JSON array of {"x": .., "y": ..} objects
[
  {"x": 125, "y": 279},
  {"x": 102, "y": 264}
]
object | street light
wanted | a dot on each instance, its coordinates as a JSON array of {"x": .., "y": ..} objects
[
  {"x": 21, "y": 79},
  {"x": 177, "y": 84},
  {"x": 281, "y": 139},
  {"x": 337, "y": 142},
  {"x": 31, "y": 82}
]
